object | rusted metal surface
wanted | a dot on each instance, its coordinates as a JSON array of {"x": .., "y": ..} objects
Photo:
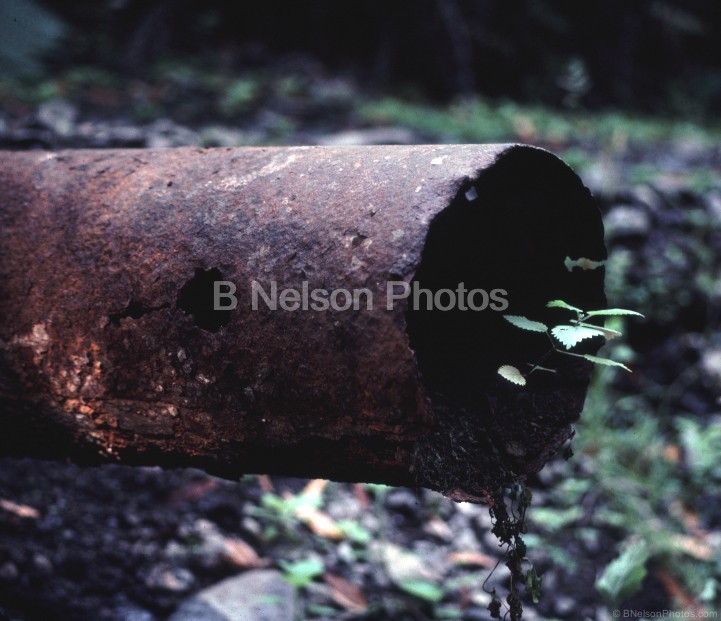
[{"x": 110, "y": 345}]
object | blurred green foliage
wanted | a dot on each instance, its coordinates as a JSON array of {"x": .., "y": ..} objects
[
  {"x": 239, "y": 96},
  {"x": 661, "y": 56},
  {"x": 477, "y": 120},
  {"x": 651, "y": 55},
  {"x": 28, "y": 33},
  {"x": 624, "y": 575},
  {"x": 301, "y": 573},
  {"x": 634, "y": 476}
]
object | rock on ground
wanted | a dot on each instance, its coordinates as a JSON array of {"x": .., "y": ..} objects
[{"x": 259, "y": 595}]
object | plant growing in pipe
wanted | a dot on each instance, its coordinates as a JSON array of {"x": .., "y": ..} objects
[{"x": 568, "y": 335}]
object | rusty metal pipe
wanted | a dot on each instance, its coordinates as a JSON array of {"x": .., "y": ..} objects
[{"x": 111, "y": 347}]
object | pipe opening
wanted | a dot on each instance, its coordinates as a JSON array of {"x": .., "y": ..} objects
[{"x": 505, "y": 236}]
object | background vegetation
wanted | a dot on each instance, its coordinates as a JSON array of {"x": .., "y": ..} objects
[{"x": 648, "y": 55}]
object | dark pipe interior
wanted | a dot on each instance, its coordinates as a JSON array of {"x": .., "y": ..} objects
[{"x": 531, "y": 211}]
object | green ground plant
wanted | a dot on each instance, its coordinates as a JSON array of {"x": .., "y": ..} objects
[{"x": 628, "y": 481}]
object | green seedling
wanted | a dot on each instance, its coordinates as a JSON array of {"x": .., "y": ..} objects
[{"x": 567, "y": 335}]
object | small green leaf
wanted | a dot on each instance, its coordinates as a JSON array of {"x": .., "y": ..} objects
[
  {"x": 708, "y": 593},
  {"x": 354, "y": 531},
  {"x": 273, "y": 502},
  {"x": 422, "y": 589},
  {"x": 612, "y": 311},
  {"x": 512, "y": 374},
  {"x": 526, "y": 324},
  {"x": 533, "y": 585},
  {"x": 605, "y": 361},
  {"x": 302, "y": 573},
  {"x": 320, "y": 610},
  {"x": 572, "y": 335},
  {"x": 562, "y": 304},
  {"x": 623, "y": 576}
]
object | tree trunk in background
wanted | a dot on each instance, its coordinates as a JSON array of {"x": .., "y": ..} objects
[{"x": 111, "y": 348}]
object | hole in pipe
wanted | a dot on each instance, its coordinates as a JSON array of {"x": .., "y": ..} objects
[{"x": 196, "y": 299}]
